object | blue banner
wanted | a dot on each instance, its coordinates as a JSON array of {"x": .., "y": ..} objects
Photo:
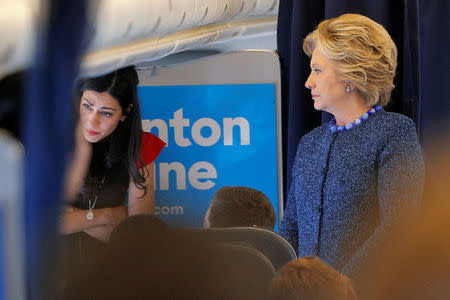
[{"x": 216, "y": 135}]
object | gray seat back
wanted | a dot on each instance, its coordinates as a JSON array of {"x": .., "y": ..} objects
[{"x": 277, "y": 250}]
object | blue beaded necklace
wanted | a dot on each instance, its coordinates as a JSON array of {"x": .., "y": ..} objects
[{"x": 333, "y": 127}]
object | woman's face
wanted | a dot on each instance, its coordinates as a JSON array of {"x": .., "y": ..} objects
[
  {"x": 100, "y": 114},
  {"x": 327, "y": 91}
]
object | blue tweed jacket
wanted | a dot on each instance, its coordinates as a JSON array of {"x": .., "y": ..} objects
[{"x": 348, "y": 187}]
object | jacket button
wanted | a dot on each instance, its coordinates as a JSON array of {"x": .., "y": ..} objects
[{"x": 319, "y": 208}]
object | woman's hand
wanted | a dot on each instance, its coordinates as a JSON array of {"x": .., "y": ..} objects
[
  {"x": 102, "y": 232},
  {"x": 69, "y": 216},
  {"x": 116, "y": 215},
  {"x": 75, "y": 220},
  {"x": 69, "y": 209}
]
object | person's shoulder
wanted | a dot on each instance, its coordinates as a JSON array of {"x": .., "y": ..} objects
[
  {"x": 396, "y": 118},
  {"x": 392, "y": 128},
  {"x": 395, "y": 122}
]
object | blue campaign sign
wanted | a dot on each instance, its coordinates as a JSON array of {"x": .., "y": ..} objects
[{"x": 216, "y": 135}]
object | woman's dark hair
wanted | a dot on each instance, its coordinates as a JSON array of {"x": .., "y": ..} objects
[{"x": 125, "y": 142}]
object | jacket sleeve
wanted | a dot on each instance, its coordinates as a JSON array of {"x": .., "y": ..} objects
[
  {"x": 289, "y": 223},
  {"x": 400, "y": 184}
]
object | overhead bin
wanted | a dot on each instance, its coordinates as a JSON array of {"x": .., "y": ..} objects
[
  {"x": 17, "y": 27},
  {"x": 129, "y": 32}
]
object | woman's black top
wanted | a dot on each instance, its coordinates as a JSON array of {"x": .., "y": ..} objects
[{"x": 109, "y": 186}]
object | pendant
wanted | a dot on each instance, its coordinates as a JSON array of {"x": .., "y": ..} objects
[{"x": 90, "y": 215}]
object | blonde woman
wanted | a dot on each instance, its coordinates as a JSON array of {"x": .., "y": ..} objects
[{"x": 354, "y": 177}]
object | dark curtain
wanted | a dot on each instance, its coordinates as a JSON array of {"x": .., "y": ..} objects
[
  {"x": 434, "y": 69},
  {"x": 48, "y": 119},
  {"x": 420, "y": 30}
]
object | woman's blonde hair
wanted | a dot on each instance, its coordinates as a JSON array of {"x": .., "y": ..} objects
[{"x": 362, "y": 51}]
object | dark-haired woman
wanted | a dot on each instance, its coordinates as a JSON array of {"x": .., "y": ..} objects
[{"x": 121, "y": 166}]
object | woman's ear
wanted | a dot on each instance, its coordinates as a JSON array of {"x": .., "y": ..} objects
[
  {"x": 129, "y": 108},
  {"x": 127, "y": 111}
]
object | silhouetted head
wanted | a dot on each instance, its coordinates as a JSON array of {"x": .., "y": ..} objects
[
  {"x": 309, "y": 278},
  {"x": 239, "y": 206}
]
